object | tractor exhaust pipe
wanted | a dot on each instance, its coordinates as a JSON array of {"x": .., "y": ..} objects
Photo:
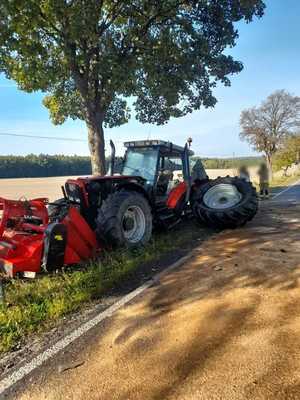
[{"x": 112, "y": 157}]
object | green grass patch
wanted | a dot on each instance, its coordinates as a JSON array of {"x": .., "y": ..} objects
[
  {"x": 278, "y": 183},
  {"x": 37, "y": 305},
  {"x": 284, "y": 181}
]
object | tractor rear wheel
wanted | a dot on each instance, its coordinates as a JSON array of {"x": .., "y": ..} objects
[
  {"x": 225, "y": 202},
  {"x": 124, "y": 220}
]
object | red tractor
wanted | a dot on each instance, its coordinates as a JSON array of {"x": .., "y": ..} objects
[{"x": 158, "y": 184}]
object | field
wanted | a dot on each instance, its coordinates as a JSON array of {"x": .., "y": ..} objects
[
  {"x": 32, "y": 188},
  {"x": 51, "y": 187}
]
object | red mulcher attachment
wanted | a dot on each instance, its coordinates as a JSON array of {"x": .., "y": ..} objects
[{"x": 28, "y": 241}]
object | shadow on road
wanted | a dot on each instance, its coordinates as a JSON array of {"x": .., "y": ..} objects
[
  {"x": 223, "y": 326},
  {"x": 236, "y": 277}
]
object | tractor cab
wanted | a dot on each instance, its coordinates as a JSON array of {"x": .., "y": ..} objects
[
  {"x": 162, "y": 164},
  {"x": 159, "y": 171}
]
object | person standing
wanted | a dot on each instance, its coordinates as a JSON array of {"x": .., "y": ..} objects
[
  {"x": 244, "y": 173},
  {"x": 263, "y": 174}
]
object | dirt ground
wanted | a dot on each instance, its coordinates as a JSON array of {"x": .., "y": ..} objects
[{"x": 224, "y": 326}]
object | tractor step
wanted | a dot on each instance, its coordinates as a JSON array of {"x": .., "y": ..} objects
[{"x": 166, "y": 217}]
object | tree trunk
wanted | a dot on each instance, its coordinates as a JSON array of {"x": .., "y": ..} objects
[
  {"x": 96, "y": 143},
  {"x": 270, "y": 166},
  {"x": 285, "y": 170}
]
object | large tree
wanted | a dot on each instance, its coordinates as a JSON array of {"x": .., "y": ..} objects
[
  {"x": 267, "y": 126},
  {"x": 90, "y": 55}
]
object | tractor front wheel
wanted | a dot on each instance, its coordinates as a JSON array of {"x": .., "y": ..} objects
[
  {"x": 125, "y": 220},
  {"x": 225, "y": 202}
]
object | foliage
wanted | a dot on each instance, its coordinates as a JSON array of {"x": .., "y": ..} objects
[
  {"x": 43, "y": 165},
  {"x": 34, "y": 306},
  {"x": 288, "y": 154},
  {"x": 90, "y": 55},
  {"x": 283, "y": 181},
  {"x": 266, "y": 127}
]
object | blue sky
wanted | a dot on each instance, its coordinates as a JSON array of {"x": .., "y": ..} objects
[{"x": 270, "y": 51}]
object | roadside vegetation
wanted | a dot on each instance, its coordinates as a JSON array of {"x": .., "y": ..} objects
[
  {"x": 230, "y": 163},
  {"x": 35, "y": 306},
  {"x": 288, "y": 154},
  {"x": 269, "y": 127},
  {"x": 285, "y": 180}
]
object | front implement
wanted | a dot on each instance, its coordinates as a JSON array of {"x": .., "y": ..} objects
[{"x": 29, "y": 242}]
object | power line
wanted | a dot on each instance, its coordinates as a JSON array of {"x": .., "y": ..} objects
[
  {"x": 49, "y": 137},
  {"x": 42, "y": 137}
]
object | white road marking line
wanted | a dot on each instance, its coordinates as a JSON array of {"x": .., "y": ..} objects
[
  {"x": 41, "y": 358},
  {"x": 286, "y": 189}
]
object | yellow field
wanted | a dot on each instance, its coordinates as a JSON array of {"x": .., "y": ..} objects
[
  {"x": 51, "y": 187},
  {"x": 32, "y": 188}
]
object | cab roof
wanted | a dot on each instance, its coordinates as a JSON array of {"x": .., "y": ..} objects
[{"x": 166, "y": 148}]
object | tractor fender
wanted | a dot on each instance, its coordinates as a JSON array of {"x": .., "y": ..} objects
[{"x": 176, "y": 195}]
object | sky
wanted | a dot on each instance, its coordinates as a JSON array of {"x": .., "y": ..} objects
[{"x": 269, "y": 48}]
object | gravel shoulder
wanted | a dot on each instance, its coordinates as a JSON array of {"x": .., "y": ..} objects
[{"x": 223, "y": 326}]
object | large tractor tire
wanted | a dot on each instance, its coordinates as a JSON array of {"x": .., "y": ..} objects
[
  {"x": 225, "y": 203},
  {"x": 124, "y": 220}
]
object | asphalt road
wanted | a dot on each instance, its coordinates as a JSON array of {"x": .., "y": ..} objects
[
  {"x": 287, "y": 195},
  {"x": 223, "y": 326}
]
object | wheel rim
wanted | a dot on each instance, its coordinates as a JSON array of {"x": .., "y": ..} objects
[
  {"x": 222, "y": 196},
  {"x": 134, "y": 224}
]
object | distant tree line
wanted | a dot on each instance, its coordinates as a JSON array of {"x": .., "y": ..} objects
[{"x": 43, "y": 165}]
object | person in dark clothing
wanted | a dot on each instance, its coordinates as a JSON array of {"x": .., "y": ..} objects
[{"x": 244, "y": 173}]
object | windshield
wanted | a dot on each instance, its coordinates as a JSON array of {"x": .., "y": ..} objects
[{"x": 141, "y": 162}]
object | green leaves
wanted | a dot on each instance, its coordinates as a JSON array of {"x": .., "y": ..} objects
[
  {"x": 89, "y": 55},
  {"x": 288, "y": 153}
]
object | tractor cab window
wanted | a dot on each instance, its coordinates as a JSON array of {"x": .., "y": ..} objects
[
  {"x": 141, "y": 162},
  {"x": 169, "y": 174}
]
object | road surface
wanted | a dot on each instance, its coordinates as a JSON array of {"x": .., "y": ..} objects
[{"x": 223, "y": 326}]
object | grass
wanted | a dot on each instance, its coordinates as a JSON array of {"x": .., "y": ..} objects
[
  {"x": 284, "y": 181},
  {"x": 35, "y": 306},
  {"x": 277, "y": 183}
]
